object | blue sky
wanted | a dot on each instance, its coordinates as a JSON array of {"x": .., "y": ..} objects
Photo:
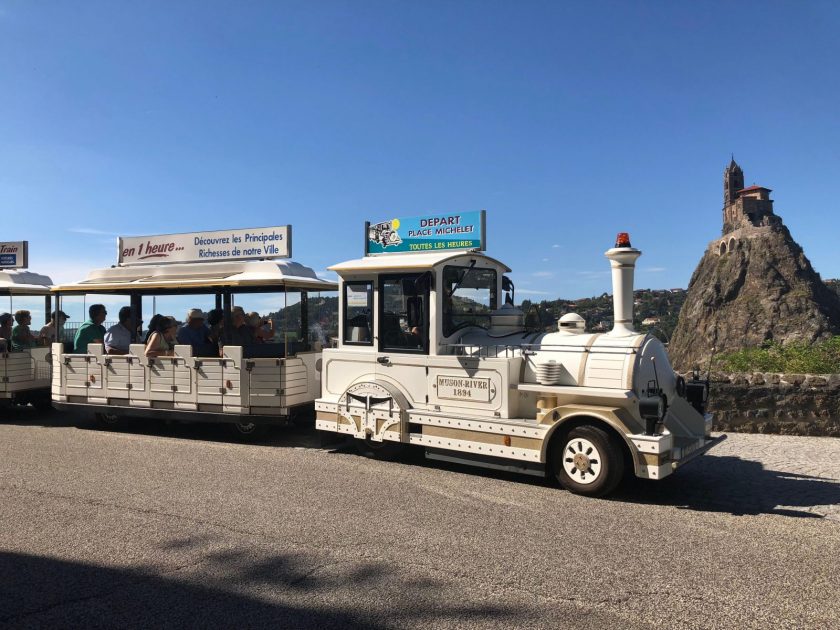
[{"x": 567, "y": 122}]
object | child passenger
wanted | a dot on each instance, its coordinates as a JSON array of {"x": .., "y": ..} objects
[{"x": 22, "y": 336}]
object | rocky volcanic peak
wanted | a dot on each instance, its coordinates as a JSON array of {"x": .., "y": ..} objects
[{"x": 762, "y": 288}]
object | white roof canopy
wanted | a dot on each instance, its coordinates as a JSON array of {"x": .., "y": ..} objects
[
  {"x": 412, "y": 261},
  {"x": 23, "y": 282},
  {"x": 191, "y": 276}
]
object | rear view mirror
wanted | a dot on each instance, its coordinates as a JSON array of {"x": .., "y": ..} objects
[{"x": 509, "y": 289}]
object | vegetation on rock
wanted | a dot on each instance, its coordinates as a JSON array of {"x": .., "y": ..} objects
[{"x": 794, "y": 358}]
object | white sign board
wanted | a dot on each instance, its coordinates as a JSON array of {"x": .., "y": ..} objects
[
  {"x": 463, "y": 388},
  {"x": 221, "y": 245},
  {"x": 357, "y": 296},
  {"x": 14, "y": 255}
]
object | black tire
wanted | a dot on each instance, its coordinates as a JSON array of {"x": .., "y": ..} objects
[
  {"x": 249, "y": 431},
  {"x": 108, "y": 421},
  {"x": 43, "y": 403},
  {"x": 587, "y": 460},
  {"x": 385, "y": 451}
]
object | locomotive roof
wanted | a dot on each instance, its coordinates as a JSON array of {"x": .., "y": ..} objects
[
  {"x": 413, "y": 261},
  {"x": 23, "y": 282},
  {"x": 192, "y": 276}
]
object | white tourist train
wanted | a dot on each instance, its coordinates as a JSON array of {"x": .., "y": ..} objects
[
  {"x": 25, "y": 373},
  {"x": 430, "y": 354},
  {"x": 246, "y": 385}
]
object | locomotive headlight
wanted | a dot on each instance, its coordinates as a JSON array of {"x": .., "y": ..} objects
[{"x": 653, "y": 410}]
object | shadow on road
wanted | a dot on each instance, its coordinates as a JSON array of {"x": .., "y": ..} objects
[
  {"x": 736, "y": 486},
  {"x": 294, "y": 435},
  {"x": 710, "y": 483},
  {"x": 294, "y": 592}
]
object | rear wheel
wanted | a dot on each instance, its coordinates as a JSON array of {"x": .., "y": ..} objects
[
  {"x": 588, "y": 461},
  {"x": 108, "y": 420},
  {"x": 43, "y": 403},
  {"x": 249, "y": 431}
]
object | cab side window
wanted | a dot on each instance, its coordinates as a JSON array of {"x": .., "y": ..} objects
[
  {"x": 404, "y": 313},
  {"x": 358, "y": 313}
]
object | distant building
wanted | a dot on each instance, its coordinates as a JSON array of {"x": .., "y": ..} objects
[
  {"x": 744, "y": 207},
  {"x": 650, "y": 321}
]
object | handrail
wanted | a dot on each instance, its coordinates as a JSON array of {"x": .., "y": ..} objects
[{"x": 528, "y": 349}]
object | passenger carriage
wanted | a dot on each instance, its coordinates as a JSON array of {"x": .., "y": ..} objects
[
  {"x": 247, "y": 386},
  {"x": 433, "y": 353},
  {"x": 25, "y": 375}
]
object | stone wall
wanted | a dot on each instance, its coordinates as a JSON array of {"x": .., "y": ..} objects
[{"x": 790, "y": 404}]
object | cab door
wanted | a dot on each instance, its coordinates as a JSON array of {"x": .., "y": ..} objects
[
  {"x": 353, "y": 363},
  {"x": 403, "y": 334}
]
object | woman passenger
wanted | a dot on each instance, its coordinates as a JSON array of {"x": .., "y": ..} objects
[{"x": 161, "y": 342}]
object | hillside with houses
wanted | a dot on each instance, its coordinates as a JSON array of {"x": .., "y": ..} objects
[{"x": 655, "y": 311}]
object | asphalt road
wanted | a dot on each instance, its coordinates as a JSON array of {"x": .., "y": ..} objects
[{"x": 179, "y": 526}]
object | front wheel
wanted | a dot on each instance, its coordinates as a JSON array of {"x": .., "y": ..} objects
[
  {"x": 386, "y": 451},
  {"x": 588, "y": 461}
]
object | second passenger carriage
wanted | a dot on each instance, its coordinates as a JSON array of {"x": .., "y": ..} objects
[{"x": 242, "y": 383}]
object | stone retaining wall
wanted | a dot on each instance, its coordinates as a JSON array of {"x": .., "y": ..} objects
[{"x": 790, "y": 404}]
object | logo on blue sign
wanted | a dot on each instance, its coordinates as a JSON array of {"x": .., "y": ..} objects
[{"x": 461, "y": 230}]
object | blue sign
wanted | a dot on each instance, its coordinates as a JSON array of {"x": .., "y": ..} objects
[{"x": 453, "y": 230}]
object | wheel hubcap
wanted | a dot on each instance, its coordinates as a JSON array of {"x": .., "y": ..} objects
[
  {"x": 246, "y": 427},
  {"x": 582, "y": 461}
]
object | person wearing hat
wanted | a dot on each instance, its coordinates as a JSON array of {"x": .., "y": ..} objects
[
  {"x": 5, "y": 331},
  {"x": 193, "y": 332},
  {"x": 118, "y": 337},
  {"x": 49, "y": 332}
]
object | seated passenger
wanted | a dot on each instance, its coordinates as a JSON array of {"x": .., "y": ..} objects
[
  {"x": 194, "y": 333},
  {"x": 161, "y": 341},
  {"x": 241, "y": 333},
  {"x": 49, "y": 332},
  {"x": 263, "y": 328},
  {"x": 215, "y": 321},
  {"x": 22, "y": 337},
  {"x": 92, "y": 331},
  {"x": 5, "y": 331},
  {"x": 118, "y": 337},
  {"x": 153, "y": 324}
]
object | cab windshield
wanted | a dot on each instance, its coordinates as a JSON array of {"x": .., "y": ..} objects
[{"x": 469, "y": 296}]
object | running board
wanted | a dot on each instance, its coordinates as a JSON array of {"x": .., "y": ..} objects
[
  {"x": 710, "y": 443},
  {"x": 493, "y": 463}
]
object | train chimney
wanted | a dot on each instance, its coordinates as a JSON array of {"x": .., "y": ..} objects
[{"x": 623, "y": 262}]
